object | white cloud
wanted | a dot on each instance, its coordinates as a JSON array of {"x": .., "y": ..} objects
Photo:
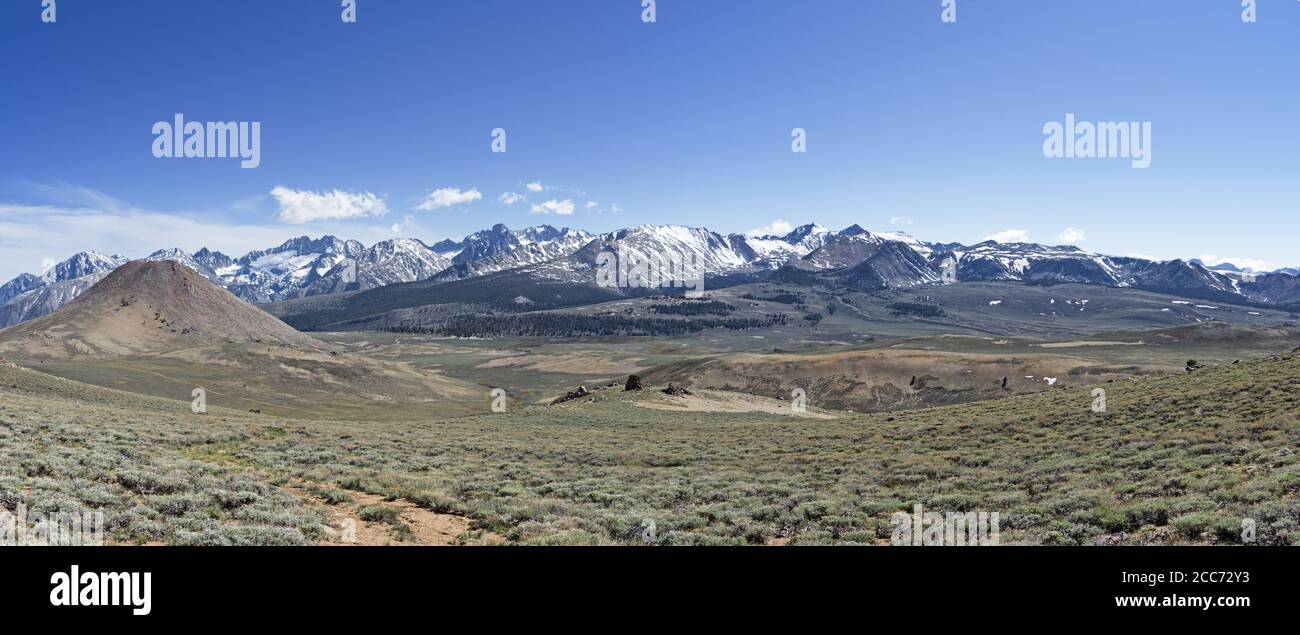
[
  {"x": 1242, "y": 262},
  {"x": 900, "y": 220},
  {"x": 777, "y": 227},
  {"x": 1009, "y": 236},
  {"x": 305, "y": 206},
  {"x": 561, "y": 208},
  {"x": 535, "y": 186},
  {"x": 1070, "y": 235},
  {"x": 47, "y": 263},
  {"x": 510, "y": 198},
  {"x": 448, "y": 197},
  {"x": 615, "y": 208},
  {"x": 592, "y": 205}
]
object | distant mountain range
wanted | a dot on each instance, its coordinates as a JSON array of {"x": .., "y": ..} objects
[{"x": 305, "y": 267}]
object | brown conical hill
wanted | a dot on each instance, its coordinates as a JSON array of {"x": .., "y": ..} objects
[{"x": 147, "y": 307}]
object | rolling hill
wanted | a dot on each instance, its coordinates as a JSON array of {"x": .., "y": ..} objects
[{"x": 147, "y": 307}]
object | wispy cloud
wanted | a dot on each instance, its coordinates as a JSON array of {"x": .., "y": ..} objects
[
  {"x": 510, "y": 198},
  {"x": 535, "y": 186},
  {"x": 900, "y": 220},
  {"x": 448, "y": 197},
  {"x": 305, "y": 206}
]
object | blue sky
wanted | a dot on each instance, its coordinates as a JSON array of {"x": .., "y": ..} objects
[{"x": 913, "y": 124}]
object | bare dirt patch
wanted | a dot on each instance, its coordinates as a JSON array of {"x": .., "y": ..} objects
[
  {"x": 427, "y": 528},
  {"x": 722, "y": 401},
  {"x": 573, "y": 364},
  {"x": 1079, "y": 343}
]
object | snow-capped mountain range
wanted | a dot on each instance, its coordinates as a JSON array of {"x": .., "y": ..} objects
[{"x": 303, "y": 266}]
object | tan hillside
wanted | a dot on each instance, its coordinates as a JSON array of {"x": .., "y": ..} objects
[
  {"x": 147, "y": 307},
  {"x": 887, "y": 379}
]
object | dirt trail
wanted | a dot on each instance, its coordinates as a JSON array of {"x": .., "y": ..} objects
[{"x": 427, "y": 528}]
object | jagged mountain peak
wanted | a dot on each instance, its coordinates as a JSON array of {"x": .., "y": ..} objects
[
  {"x": 81, "y": 264},
  {"x": 446, "y": 246}
]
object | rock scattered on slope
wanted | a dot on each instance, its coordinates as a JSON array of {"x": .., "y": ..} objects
[{"x": 570, "y": 396}]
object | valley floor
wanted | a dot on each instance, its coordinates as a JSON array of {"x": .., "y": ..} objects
[{"x": 1174, "y": 459}]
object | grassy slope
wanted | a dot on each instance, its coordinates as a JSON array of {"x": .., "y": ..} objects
[{"x": 1178, "y": 459}]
